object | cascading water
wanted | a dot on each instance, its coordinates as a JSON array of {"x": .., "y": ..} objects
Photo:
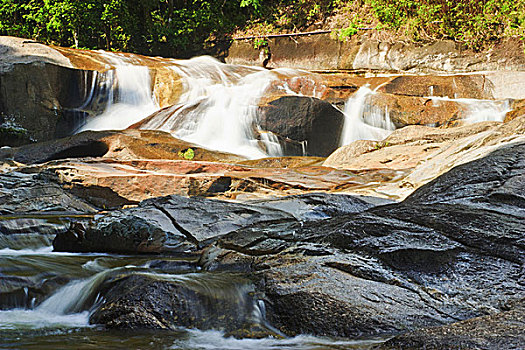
[
  {"x": 476, "y": 111},
  {"x": 363, "y": 121},
  {"x": 131, "y": 102},
  {"x": 218, "y": 108}
]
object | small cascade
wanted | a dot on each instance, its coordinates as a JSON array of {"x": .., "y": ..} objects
[
  {"x": 218, "y": 109},
  {"x": 74, "y": 297},
  {"x": 132, "y": 100},
  {"x": 364, "y": 121},
  {"x": 476, "y": 111}
]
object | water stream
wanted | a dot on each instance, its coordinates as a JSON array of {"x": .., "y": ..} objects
[{"x": 33, "y": 316}]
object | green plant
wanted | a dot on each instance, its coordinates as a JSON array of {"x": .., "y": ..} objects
[
  {"x": 259, "y": 43},
  {"x": 187, "y": 154},
  {"x": 380, "y": 145}
]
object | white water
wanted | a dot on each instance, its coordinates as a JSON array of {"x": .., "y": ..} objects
[
  {"x": 215, "y": 340},
  {"x": 375, "y": 124},
  {"x": 133, "y": 100},
  {"x": 218, "y": 108},
  {"x": 476, "y": 111}
]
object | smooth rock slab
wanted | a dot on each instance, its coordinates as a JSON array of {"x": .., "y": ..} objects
[{"x": 178, "y": 224}]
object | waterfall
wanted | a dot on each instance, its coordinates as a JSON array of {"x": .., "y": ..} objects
[
  {"x": 131, "y": 102},
  {"x": 218, "y": 109},
  {"x": 364, "y": 121}
]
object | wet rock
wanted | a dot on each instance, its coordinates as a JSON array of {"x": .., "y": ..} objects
[
  {"x": 164, "y": 225},
  {"x": 451, "y": 251},
  {"x": 304, "y": 119},
  {"x": 503, "y": 330},
  {"x": 221, "y": 302},
  {"x": 33, "y": 193},
  {"x": 24, "y": 292},
  {"x": 176, "y": 224},
  {"x": 33, "y": 210}
]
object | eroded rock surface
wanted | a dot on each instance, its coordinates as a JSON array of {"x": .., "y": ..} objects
[
  {"x": 502, "y": 330},
  {"x": 451, "y": 251}
]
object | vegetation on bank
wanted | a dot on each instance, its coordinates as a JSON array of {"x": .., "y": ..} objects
[{"x": 184, "y": 27}]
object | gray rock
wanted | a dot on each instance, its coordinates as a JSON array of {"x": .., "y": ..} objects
[{"x": 504, "y": 330}]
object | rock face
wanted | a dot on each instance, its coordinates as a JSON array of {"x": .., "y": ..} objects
[
  {"x": 427, "y": 152},
  {"x": 43, "y": 108},
  {"x": 169, "y": 225},
  {"x": 313, "y": 122},
  {"x": 451, "y": 251},
  {"x": 321, "y": 52},
  {"x": 503, "y": 330}
]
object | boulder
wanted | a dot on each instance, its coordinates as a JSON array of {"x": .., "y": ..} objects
[
  {"x": 207, "y": 301},
  {"x": 453, "y": 86},
  {"x": 313, "y": 122}
]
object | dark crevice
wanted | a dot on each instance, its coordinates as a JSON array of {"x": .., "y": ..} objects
[{"x": 181, "y": 229}]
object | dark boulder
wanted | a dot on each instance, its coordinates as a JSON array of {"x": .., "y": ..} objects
[
  {"x": 315, "y": 123},
  {"x": 223, "y": 302}
]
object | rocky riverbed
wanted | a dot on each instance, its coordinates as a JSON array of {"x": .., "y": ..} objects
[{"x": 414, "y": 239}]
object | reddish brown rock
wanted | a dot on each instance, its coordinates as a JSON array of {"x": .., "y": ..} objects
[
  {"x": 518, "y": 110},
  {"x": 452, "y": 86}
]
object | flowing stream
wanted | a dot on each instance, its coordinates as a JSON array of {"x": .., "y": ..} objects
[{"x": 46, "y": 300}]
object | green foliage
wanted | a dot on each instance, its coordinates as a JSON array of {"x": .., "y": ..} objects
[
  {"x": 473, "y": 22},
  {"x": 162, "y": 27},
  {"x": 187, "y": 154},
  {"x": 182, "y": 28},
  {"x": 380, "y": 145}
]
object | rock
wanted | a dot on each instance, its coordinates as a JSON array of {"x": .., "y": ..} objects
[
  {"x": 23, "y": 292},
  {"x": 164, "y": 225},
  {"x": 518, "y": 110},
  {"x": 411, "y": 110},
  {"x": 124, "y": 145},
  {"x": 502, "y": 330},
  {"x": 452, "y": 86},
  {"x": 42, "y": 109},
  {"x": 307, "y": 120},
  {"x": 30, "y": 193},
  {"x": 425, "y": 153},
  {"x": 220, "y": 302},
  {"x": 33, "y": 210},
  {"x": 22, "y": 51},
  {"x": 451, "y": 251},
  {"x": 169, "y": 225},
  {"x": 369, "y": 51}
]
